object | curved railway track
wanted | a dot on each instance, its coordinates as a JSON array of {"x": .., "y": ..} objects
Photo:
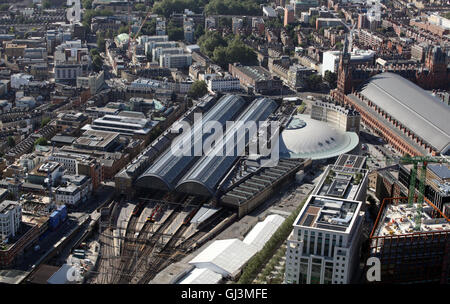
[
  {"x": 128, "y": 252},
  {"x": 172, "y": 253}
]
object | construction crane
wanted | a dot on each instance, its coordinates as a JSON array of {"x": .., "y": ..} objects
[
  {"x": 416, "y": 161},
  {"x": 132, "y": 41}
]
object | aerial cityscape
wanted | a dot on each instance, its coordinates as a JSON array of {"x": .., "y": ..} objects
[{"x": 265, "y": 142}]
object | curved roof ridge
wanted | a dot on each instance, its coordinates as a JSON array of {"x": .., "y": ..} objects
[
  {"x": 405, "y": 105},
  {"x": 414, "y": 107}
]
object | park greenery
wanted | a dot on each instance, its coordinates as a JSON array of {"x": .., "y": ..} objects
[
  {"x": 260, "y": 259},
  {"x": 174, "y": 32},
  {"x": 224, "y": 51},
  {"x": 234, "y": 7},
  {"x": 167, "y": 7}
]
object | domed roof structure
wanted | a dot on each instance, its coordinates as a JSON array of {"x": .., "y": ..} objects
[{"x": 305, "y": 137}]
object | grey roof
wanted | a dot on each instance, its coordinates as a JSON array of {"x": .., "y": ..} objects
[
  {"x": 440, "y": 170},
  {"x": 415, "y": 108},
  {"x": 204, "y": 177},
  {"x": 169, "y": 168}
]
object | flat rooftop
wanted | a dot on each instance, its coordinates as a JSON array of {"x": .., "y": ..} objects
[
  {"x": 441, "y": 170},
  {"x": 7, "y": 205},
  {"x": 96, "y": 139},
  {"x": 255, "y": 72},
  {"x": 328, "y": 213},
  {"x": 350, "y": 160},
  {"x": 398, "y": 219},
  {"x": 341, "y": 182}
]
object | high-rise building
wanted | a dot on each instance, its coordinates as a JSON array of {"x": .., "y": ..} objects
[
  {"x": 323, "y": 247},
  {"x": 10, "y": 218}
]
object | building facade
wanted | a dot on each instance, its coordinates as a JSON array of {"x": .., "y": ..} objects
[{"x": 10, "y": 218}]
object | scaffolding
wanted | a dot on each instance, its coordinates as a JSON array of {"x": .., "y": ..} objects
[{"x": 410, "y": 257}]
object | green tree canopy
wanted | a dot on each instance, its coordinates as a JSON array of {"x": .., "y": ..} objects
[
  {"x": 140, "y": 7},
  {"x": 167, "y": 7},
  {"x": 97, "y": 63},
  {"x": 86, "y": 4},
  {"x": 198, "y": 89},
  {"x": 233, "y": 7},
  {"x": 149, "y": 27},
  {"x": 199, "y": 31},
  {"x": 45, "y": 121},
  {"x": 331, "y": 78},
  {"x": 314, "y": 81},
  {"x": 175, "y": 32},
  {"x": 40, "y": 141},
  {"x": 210, "y": 41}
]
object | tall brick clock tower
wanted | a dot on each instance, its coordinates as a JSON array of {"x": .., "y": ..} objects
[{"x": 344, "y": 81}]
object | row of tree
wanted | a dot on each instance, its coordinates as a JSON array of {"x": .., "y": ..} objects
[
  {"x": 167, "y": 7},
  {"x": 233, "y": 7},
  {"x": 257, "y": 262}
]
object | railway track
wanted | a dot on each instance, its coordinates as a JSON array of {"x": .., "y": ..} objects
[
  {"x": 149, "y": 246},
  {"x": 127, "y": 253},
  {"x": 172, "y": 254}
]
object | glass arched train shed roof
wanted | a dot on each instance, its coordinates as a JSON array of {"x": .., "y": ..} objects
[
  {"x": 206, "y": 174},
  {"x": 168, "y": 169}
]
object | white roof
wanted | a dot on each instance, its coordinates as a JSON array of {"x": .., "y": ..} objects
[
  {"x": 201, "y": 276},
  {"x": 314, "y": 139},
  {"x": 263, "y": 231},
  {"x": 224, "y": 256}
]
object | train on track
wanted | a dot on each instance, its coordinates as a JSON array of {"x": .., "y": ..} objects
[{"x": 155, "y": 213}]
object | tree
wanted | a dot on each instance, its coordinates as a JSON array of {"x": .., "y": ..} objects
[
  {"x": 167, "y": 7},
  {"x": 220, "y": 56},
  {"x": 198, "y": 89},
  {"x": 101, "y": 43},
  {"x": 175, "y": 32},
  {"x": 40, "y": 141},
  {"x": 94, "y": 52},
  {"x": 97, "y": 63},
  {"x": 313, "y": 81},
  {"x": 140, "y": 7},
  {"x": 331, "y": 78},
  {"x": 199, "y": 31},
  {"x": 45, "y": 121},
  {"x": 11, "y": 141},
  {"x": 149, "y": 27},
  {"x": 210, "y": 41},
  {"x": 233, "y": 7},
  {"x": 87, "y": 4}
]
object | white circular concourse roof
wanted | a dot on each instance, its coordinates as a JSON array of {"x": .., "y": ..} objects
[{"x": 305, "y": 137}]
